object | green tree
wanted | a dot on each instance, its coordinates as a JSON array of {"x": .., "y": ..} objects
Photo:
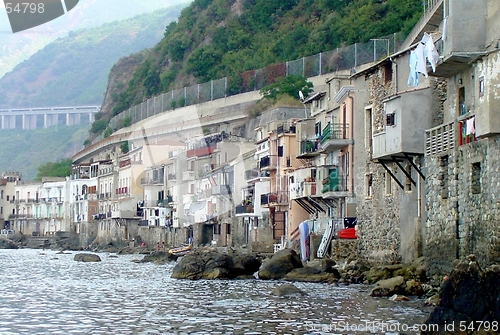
[
  {"x": 98, "y": 126},
  {"x": 124, "y": 147},
  {"x": 290, "y": 85},
  {"x": 61, "y": 168}
]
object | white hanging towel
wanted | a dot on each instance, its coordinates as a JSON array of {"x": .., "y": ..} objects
[
  {"x": 430, "y": 51},
  {"x": 421, "y": 65},
  {"x": 470, "y": 126}
]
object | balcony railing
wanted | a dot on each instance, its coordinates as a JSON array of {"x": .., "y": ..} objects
[
  {"x": 440, "y": 139},
  {"x": 164, "y": 202},
  {"x": 274, "y": 198},
  {"x": 268, "y": 162},
  {"x": 188, "y": 175},
  {"x": 336, "y": 183},
  {"x": 309, "y": 148},
  {"x": 255, "y": 174},
  {"x": 221, "y": 190},
  {"x": 286, "y": 128},
  {"x": 302, "y": 189},
  {"x": 335, "y": 136},
  {"x": 242, "y": 209}
]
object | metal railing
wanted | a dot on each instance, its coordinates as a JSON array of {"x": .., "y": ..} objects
[{"x": 326, "y": 62}]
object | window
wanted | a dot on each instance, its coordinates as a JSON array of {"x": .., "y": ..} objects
[
  {"x": 461, "y": 101},
  {"x": 369, "y": 185},
  {"x": 387, "y": 72},
  {"x": 317, "y": 129},
  {"x": 217, "y": 229},
  {"x": 280, "y": 151},
  {"x": 228, "y": 229},
  {"x": 476, "y": 178},
  {"x": 391, "y": 119},
  {"x": 481, "y": 86},
  {"x": 368, "y": 129}
]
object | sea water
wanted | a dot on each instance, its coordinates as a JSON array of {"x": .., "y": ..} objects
[{"x": 44, "y": 292}]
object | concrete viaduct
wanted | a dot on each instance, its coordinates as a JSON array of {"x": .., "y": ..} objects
[{"x": 44, "y": 117}]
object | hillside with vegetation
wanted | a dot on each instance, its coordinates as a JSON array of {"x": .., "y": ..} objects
[
  {"x": 74, "y": 70},
  {"x": 87, "y": 14},
  {"x": 223, "y": 38},
  {"x": 26, "y": 150}
]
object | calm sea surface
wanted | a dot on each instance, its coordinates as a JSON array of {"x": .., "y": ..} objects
[{"x": 48, "y": 293}]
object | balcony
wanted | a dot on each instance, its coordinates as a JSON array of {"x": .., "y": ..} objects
[
  {"x": 335, "y": 137},
  {"x": 164, "y": 202},
  {"x": 201, "y": 152},
  {"x": 268, "y": 162},
  {"x": 171, "y": 177},
  {"x": 143, "y": 223},
  {"x": 188, "y": 175},
  {"x": 244, "y": 209},
  {"x": 309, "y": 148},
  {"x": 440, "y": 139},
  {"x": 335, "y": 186},
  {"x": 275, "y": 198},
  {"x": 252, "y": 176},
  {"x": 407, "y": 117},
  {"x": 302, "y": 189},
  {"x": 152, "y": 181},
  {"x": 221, "y": 190},
  {"x": 459, "y": 50},
  {"x": 285, "y": 128}
]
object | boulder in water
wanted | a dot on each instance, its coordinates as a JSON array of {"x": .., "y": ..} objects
[
  {"x": 8, "y": 244},
  {"x": 280, "y": 264},
  {"x": 286, "y": 289},
  {"x": 86, "y": 257}
]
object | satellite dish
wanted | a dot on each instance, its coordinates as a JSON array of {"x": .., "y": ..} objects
[{"x": 301, "y": 95}]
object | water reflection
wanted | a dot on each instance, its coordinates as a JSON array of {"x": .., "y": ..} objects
[{"x": 49, "y": 293}]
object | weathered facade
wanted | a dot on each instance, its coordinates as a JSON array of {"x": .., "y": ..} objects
[{"x": 462, "y": 152}]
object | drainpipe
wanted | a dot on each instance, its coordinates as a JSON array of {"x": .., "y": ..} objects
[
  {"x": 419, "y": 195},
  {"x": 352, "y": 137}
]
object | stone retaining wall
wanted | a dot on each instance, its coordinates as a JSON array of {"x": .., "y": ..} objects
[{"x": 463, "y": 204}]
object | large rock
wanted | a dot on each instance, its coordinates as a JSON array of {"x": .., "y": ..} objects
[
  {"x": 469, "y": 295},
  {"x": 286, "y": 289},
  {"x": 210, "y": 264},
  {"x": 8, "y": 244},
  {"x": 389, "y": 287},
  {"x": 159, "y": 257},
  {"x": 86, "y": 257},
  {"x": 317, "y": 271},
  {"x": 280, "y": 264}
]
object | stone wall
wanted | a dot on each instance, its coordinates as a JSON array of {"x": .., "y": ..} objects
[
  {"x": 344, "y": 250},
  {"x": 463, "y": 196}
]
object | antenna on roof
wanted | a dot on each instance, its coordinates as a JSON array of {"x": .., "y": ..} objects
[{"x": 301, "y": 95}]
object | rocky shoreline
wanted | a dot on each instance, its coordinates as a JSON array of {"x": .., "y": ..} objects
[{"x": 468, "y": 299}]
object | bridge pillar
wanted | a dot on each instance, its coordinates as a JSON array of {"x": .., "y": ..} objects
[
  {"x": 68, "y": 122},
  {"x": 3, "y": 121},
  {"x": 45, "y": 120}
]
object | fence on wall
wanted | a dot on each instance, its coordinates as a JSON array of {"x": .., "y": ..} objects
[{"x": 343, "y": 58}]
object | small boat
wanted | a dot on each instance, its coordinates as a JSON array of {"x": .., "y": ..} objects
[
  {"x": 180, "y": 251},
  {"x": 348, "y": 233}
]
